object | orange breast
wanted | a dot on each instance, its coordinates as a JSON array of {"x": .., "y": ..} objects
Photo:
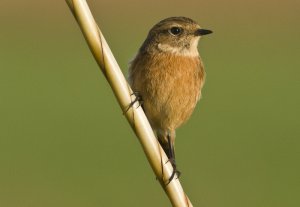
[{"x": 170, "y": 87}]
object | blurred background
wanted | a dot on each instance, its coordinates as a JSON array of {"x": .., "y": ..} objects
[{"x": 65, "y": 142}]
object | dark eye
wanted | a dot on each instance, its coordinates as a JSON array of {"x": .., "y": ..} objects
[{"x": 175, "y": 30}]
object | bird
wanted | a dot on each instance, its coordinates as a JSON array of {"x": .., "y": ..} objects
[{"x": 167, "y": 74}]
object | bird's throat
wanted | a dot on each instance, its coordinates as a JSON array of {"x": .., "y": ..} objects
[{"x": 191, "y": 51}]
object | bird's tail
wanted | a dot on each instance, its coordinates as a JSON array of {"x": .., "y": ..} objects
[{"x": 166, "y": 140}]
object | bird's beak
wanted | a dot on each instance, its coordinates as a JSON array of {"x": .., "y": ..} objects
[{"x": 201, "y": 32}]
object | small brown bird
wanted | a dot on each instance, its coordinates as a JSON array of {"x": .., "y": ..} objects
[{"x": 168, "y": 75}]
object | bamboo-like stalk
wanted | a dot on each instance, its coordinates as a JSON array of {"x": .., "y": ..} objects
[{"x": 135, "y": 115}]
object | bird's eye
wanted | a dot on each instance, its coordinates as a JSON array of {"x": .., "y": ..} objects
[{"x": 175, "y": 30}]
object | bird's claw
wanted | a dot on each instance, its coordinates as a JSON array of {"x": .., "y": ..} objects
[
  {"x": 138, "y": 98},
  {"x": 175, "y": 171}
]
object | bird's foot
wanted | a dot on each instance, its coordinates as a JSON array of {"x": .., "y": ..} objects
[
  {"x": 175, "y": 171},
  {"x": 138, "y": 98}
]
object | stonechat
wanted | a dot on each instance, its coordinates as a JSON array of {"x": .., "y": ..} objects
[{"x": 168, "y": 75}]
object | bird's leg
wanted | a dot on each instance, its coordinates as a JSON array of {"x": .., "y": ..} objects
[
  {"x": 138, "y": 98},
  {"x": 171, "y": 156}
]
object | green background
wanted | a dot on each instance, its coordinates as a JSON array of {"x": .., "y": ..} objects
[{"x": 64, "y": 140}]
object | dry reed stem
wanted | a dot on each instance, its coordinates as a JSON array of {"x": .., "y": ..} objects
[{"x": 135, "y": 115}]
